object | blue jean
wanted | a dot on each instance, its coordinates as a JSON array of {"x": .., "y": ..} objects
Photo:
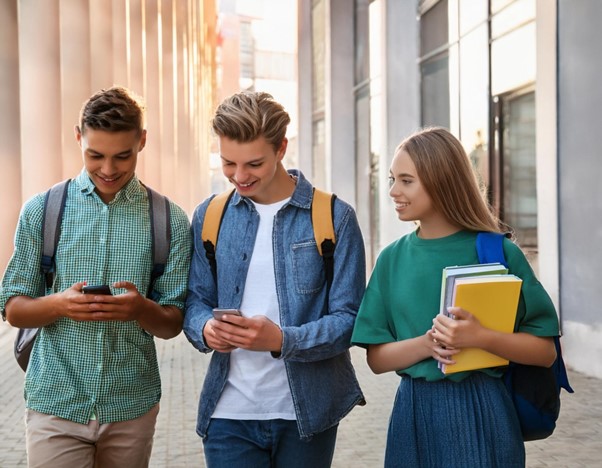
[{"x": 257, "y": 444}]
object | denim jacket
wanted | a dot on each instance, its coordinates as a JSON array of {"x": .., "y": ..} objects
[{"x": 316, "y": 329}]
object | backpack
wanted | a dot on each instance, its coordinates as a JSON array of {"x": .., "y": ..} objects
[
  {"x": 54, "y": 206},
  {"x": 321, "y": 218},
  {"x": 535, "y": 390}
]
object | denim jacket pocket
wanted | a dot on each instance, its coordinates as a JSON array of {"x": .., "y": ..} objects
[{"x": 308, "y": 268}]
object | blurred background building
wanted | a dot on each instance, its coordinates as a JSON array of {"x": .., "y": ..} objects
[{"x": 515, "y": 80}]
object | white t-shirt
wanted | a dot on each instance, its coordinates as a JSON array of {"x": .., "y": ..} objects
[{"x": 257, "y": 385}]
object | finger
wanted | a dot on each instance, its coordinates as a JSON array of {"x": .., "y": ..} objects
[{"x": 127, "y": 285}]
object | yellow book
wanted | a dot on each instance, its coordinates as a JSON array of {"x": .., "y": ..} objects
[{"x": 493, "y": 299}]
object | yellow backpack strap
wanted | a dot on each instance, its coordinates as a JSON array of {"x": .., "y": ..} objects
[
  {"x": 211, "y": 224},
  {"x": 323, "y": 225}
]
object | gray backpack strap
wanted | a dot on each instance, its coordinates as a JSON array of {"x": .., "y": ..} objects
[
  {"x": 160, "y": 216},
  {"x": 54, "y": 206}
]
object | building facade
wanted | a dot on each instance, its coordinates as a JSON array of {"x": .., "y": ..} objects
[
  {"x": 515, "y": 80},
  {"x": 54, "y": 54}
]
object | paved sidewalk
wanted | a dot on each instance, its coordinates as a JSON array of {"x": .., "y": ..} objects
[{"x": 577, "y": 441}]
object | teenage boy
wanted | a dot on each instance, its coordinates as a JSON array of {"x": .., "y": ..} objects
[
  {"x": 281, "y": 378},
  {"x": 92, "y": 386}
]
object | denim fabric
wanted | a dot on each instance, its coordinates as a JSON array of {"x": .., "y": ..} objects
[
  {"x": 275, "y": 443},
  {"x": 316, "y": 329},
  {"x": 467, "y": 424}
]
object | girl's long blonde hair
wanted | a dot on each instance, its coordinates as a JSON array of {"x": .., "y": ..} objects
[{"x": 447, "y": 175}]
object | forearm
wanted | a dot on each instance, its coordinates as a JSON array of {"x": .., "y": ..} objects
[
  {"x": 29, "y": 312},
  {"x": 161, "y": 321},
  {"x": 522, "y": 348},
  {"x": 397, "y": 355}
]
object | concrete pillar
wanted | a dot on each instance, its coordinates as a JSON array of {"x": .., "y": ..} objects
[
  {"x": 136, "y": 58},
  {"x": 10, "y": 145},
  {"x": 304, "y": 68},
  {"x": 75, "y": 77},
  {"x": 400, "y": 100},
  {"x": 168, "y": 101},
  {"x": 121, "y": 44},
  {"x": 183, "y": 108},
  {"x": 101, "y": 45},
  {"x": 40, "y": 95},
  {"x": 339, "y": 105},
  {"x": 152, "y": 92}
]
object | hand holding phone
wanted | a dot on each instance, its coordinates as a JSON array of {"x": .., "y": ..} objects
[
  {"x": 99, "y": 289},
  {"x": 219, "y": 313}
]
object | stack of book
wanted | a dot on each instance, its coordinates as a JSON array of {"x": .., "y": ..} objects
[{"x": 489, "y": 293}]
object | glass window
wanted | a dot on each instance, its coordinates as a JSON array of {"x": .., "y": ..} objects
[
  {"x": 434, "y": 29},
  {"x": 435, "y": 103},
  {"x": 519, "y": 168},
  {"x": 474, "y": 102}
]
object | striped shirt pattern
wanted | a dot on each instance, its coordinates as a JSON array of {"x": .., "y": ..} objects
[{"x": 107, "y": 370}]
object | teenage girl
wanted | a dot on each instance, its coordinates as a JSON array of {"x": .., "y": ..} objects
[{"x": 463, "y": 419}]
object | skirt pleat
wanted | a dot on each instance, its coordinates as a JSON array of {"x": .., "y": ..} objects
[{"x": 448, "y": 424}]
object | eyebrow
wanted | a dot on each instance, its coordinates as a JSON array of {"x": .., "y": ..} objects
[{"x": 403, "y": 174}]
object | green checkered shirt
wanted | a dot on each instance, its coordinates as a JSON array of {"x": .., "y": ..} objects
[{"x": 106, "y": 370}]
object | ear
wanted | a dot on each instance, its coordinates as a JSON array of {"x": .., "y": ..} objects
[
  {"x": 78, "y": 135},
  {"x": 142, "y": 142},
  {"x": 282, "y": 150}
]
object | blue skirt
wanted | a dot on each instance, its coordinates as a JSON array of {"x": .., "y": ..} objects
[{"x": 471, "y": 423}]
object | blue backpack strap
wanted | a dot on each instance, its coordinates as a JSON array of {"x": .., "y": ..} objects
[{"x": 490, "y": 248}]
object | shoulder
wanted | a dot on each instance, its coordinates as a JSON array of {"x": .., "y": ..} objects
[{"x": 32, "y": 211}]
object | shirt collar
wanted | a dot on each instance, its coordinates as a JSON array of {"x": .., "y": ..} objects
[{"x": 132, "y": 190}]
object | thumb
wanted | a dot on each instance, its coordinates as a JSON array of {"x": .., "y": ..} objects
[
  {"x": 458, "y": 313},
  {"x": 127, "y": 285}
]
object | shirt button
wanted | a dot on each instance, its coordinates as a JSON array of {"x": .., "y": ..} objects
[
  {"x": 237, "y": 289},
  {"x": 244, "y": 257}
]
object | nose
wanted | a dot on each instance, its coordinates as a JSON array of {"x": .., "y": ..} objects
[
  {"x": 108, "y": 167},
  {"x": 240, "y": 174}
]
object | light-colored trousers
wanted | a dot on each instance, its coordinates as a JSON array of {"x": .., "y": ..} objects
[{"x": 56, "y": 442}]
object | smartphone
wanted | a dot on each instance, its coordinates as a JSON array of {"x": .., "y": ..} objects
[
  {"x": 218, "y": 313},
  {"x": 100, "y": 289}
]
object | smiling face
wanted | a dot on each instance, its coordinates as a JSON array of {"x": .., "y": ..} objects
[
  {"x": 412, "y": 201},
  {"x": 110, "y": 158},
  {"x": 255, "y": 169}
]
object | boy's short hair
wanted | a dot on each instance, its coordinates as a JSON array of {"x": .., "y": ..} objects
[
  {"x": 115, "y": 109},
  {"x": 246, "y": 116}
]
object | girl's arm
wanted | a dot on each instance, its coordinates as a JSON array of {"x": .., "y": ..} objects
[
  {"x": 467, "y": 332},
  {"x": 398, "y": 355}
]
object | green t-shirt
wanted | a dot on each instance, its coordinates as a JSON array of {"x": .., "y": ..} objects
[{"x": 403, "y": 295}]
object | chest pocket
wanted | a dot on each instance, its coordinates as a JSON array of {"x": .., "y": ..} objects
[{"x": 308, "y": 268}]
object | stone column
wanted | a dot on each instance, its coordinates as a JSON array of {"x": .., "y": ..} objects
[
  {"x": 101, "y": 45},
  {"x": 40, "y": 95},
  {"x": 10, "y": 145},
  {"x": 152, "y": 152},
  {"x": 75, "y": 77},
  {"x": 168, "y": 105},
  {"x": 121, "y": 46},
  {"x": 135, "y": 28},
  {"x": 182, "y": 105}
]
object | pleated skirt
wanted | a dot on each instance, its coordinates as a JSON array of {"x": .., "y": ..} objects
[{"x": 448, "y": 424}]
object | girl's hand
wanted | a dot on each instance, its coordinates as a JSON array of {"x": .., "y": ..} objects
[
  {"x": 439, "y": 352},
  {"x": 462, "y": 332}
]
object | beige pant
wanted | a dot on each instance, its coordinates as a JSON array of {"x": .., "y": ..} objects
[{"x": 56, "y": 442}]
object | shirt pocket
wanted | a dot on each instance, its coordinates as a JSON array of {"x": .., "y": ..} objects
[{"x": 308, "y": 268}]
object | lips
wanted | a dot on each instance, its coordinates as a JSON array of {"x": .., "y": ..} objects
[{"x": 244, "y": 187}]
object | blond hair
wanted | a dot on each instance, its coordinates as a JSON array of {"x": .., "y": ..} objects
[
  {"x": 444, "y": 170},
  {"x": 246, "y": 116}
]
